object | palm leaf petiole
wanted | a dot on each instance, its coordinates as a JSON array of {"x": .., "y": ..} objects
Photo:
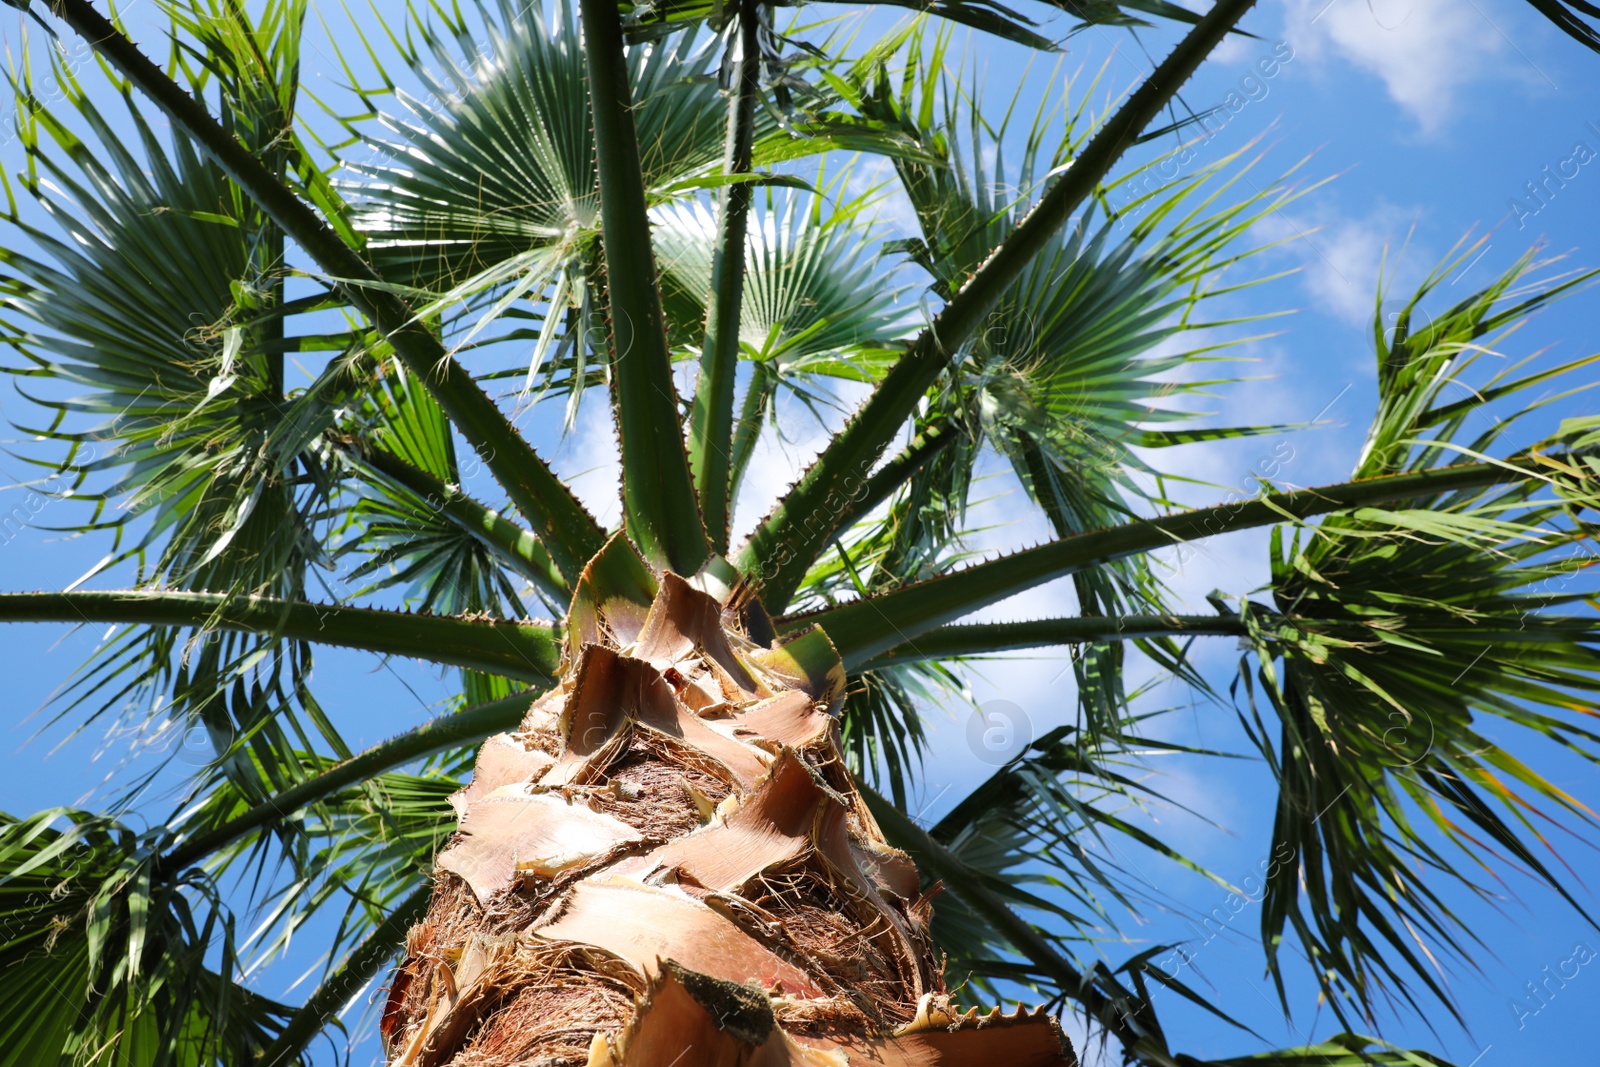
[
  {"x": 977, "y": 639},
  {"x": 865, "y": 628},
  {"x": 711, "y": 418},
  {"x": 524, "y": 651},
  {"x": 659, "y": 501}
]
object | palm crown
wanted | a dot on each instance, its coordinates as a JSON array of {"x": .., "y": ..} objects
[{"x": 584, "y": 204}]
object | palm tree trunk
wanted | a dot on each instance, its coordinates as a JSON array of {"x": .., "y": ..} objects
[{"x": 668, "y": 865}]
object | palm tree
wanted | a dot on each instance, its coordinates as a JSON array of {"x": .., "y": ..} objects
[{"x": 673, "y": 842}]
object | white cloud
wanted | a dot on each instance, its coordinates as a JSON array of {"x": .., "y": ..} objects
[
  {"x": 1235, "y": 50},
  {"x": 777, "y": 461},
  {"x": 589, "y": 462},
  {"x": 1424, "y": 50},
  {"x": 891, "y": 211},
  {"x": 1343, "y": 258}
]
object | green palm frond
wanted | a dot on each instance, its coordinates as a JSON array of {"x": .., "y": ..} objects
[
  {"x": 1055, "y": 825},
  {"x": 252, "y": 62},
  {"x": 812, "y": 305},
  {"x": 371, "y": 845},
  {"x": 1425, "y": 391},
  {"x": 493, "y": 179},
  {"x": 398, "y": 538},
  {"x": 1071, "y": 377},
  {"x": 881, "y": 725},
  {"x": 1063, "y": 378},
  {"x": 1075, "y": 369},
  {"x": 159, "y": 295},
  {"x": 154, "y": 304},
  {"x": 104, "y": 962},
  {"x": 1396, "y": 637},
  {"x": 1381, "y": 699}
]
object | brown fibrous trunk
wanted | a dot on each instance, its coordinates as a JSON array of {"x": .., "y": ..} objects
[{"x": 669, "y": 865}]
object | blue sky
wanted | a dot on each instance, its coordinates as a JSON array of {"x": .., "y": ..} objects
[{"x": 1432, "y": 117}]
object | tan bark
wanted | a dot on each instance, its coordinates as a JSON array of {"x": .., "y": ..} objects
[{"x": 669, "y": 865}]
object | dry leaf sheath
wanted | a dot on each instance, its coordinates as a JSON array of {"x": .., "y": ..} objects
[{"x": 669, "y": 862}]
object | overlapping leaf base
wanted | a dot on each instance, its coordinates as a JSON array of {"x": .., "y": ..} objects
[{"x": 669, "y": 864}]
